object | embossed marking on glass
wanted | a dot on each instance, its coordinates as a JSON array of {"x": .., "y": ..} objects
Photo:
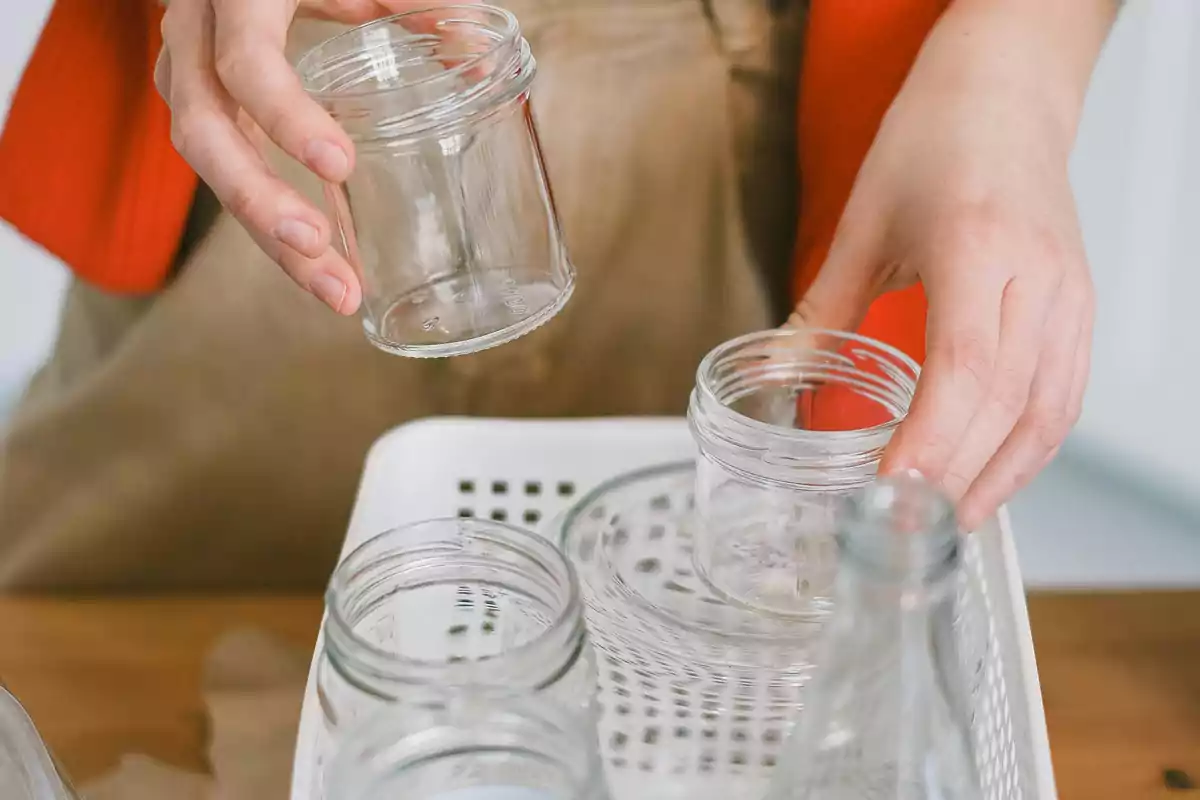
[
  {"x": 888, "y": 715},
  {"x": 787, "y": 421},
  {"x": 465, "y": 746},
  {"x": 451, "y": 602},
  {"x": 448, "y": 216}
]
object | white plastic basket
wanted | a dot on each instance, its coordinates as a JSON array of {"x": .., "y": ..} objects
[{"x": 528, "y": 471}]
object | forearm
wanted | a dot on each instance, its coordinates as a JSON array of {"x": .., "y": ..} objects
[{"x": 1038, "y": 52}]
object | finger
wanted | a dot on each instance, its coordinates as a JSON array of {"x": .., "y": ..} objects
[
  {"x": 844, "y": 287},
  {"x": 328, "y": 277},
  {"x": 962, "y": 341},
  {"x": 249, "y": 40},
  {"x": 162, "y": 75},
  {"x": 1024, "y": 307},
  {"x": 1083, "y": 358},
  {"x": 205, "y": 132},
  {"x": 1042, "y": 427}
]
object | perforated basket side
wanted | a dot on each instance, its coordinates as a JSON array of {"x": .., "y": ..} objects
[{"x": 528, "y": 471}]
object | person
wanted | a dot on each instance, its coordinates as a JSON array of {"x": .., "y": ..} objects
[{"x": 208, "y": 432}]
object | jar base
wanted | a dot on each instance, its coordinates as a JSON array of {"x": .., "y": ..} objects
[{"x": 445, "y": 318}]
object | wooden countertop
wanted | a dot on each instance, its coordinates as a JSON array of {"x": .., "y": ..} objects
[{"x": 102, "y": 677}]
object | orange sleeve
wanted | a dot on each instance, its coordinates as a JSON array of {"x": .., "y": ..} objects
[
  {"x": 87, "y": 169},
  {"x": 856, "y": 57}
]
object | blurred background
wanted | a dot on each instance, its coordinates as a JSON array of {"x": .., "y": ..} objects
[{"x": 1121, "y": 506}]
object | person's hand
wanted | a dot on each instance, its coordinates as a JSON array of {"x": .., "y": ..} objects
[
  {"x": 965, "y": 189},
  {"x": 223, "y": 72}
]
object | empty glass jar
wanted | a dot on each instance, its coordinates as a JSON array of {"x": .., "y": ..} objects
[
  {"x": 27, "y": 770},
  {"x": 448, "y": 215},
  {"x": 450, "y": 603},
  {"x": 787, "y": 422},
  {"x": 465, "y": 746}
]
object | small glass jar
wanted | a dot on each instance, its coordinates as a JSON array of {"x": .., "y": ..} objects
[
  {"x": 466, "y": 746},
  {"x": 450, "y": 603},
  {"x": 787, "y": 422},
  {"x": 448, "y": 215},
  {"x": 27, "y": 769}
]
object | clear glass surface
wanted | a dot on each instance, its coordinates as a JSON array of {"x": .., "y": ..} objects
[
  {"x": 450, "y": 603},
  {"x": 888, "y": 715},
  {"x": 787, "y": 422},
  {"x": 27, "y": 770},
  {"x": 448, "y": 215},
  {"x": 696, "y": 692},
  {"x": 466, "y": 746}
]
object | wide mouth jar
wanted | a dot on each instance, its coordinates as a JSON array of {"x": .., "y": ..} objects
[
  {"x": 452, "y": 602},
  {"x": 787, "y": 421},
  {"x": 802, "y": 407},
  {"x": 448, "y": 215}
]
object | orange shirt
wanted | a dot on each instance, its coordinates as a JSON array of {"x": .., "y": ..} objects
[
  {"x": 857, "y": 55},
  {"x": 87, "y": 169}
]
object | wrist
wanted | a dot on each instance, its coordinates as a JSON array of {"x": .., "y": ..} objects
[{"x": 1028, "y": 57}]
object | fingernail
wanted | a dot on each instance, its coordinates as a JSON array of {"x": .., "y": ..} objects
[
  {"x": 329, "y": 289},
  {"x": 298, "y": 235},
  {"x": 326, "y": 159}
]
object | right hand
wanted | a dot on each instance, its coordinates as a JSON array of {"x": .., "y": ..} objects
[{"x": 223, "y": 72}]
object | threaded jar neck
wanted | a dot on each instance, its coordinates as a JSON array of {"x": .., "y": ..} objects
[
  {"x": 454, "y": 602},
  {"x": 420, "y": 74},
  {"x": 744, "y": 409}
]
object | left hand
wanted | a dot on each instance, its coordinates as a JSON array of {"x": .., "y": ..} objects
[{"x": 965, "y": 189}]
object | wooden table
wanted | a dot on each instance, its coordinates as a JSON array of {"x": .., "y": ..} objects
[{"x": 1120, "y": 675}]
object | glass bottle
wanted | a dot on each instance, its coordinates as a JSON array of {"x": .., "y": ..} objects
[
  {"x": 27, "y": 769},
  {"x": 449, "y": 603},
  {"x": 787, "y": 422},
  {"x": 469, "y": 746},
  {"x": 885, "y": 717},
  {"x": 448, "y": 216}
]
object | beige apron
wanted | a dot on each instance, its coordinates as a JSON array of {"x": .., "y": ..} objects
[{"x": 212, "y": 436}]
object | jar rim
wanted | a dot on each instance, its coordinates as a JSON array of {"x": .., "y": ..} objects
[
  {"x": 725, "y": 349},
  {"x": 509, "y": 31},
  {"x": 541, "y": 552}
]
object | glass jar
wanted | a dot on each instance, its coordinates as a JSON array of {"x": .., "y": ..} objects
[
  {"x": 448, "y": 216},
  {"x": 450, "y": 603},
  {"x": 27, "y": 770},
  {"x": 466, "y": 746},
  {"x": 787, "y": 422}
]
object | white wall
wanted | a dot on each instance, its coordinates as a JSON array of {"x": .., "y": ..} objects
[
  {"x": 31, "y": 282},
  {"x": 1136, "y": 171}
]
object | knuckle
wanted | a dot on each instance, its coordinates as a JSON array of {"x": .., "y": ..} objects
[
  {"x": 1010, "y": 396},
  {"x": 1049, "y": 427},
  {"x": 971, "y": 358},
  {"x": 241, "y": 201},
  {"x": 977, "y": 226},
  {"x": 233, "y": 63},
  {"x": 186, "y": 133},
  {"x": 955, "y": 484}
]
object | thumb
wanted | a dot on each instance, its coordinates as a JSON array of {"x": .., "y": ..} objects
[
  {"x": 844, "y": 288},
  {"x": 837, "y": 300}
]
